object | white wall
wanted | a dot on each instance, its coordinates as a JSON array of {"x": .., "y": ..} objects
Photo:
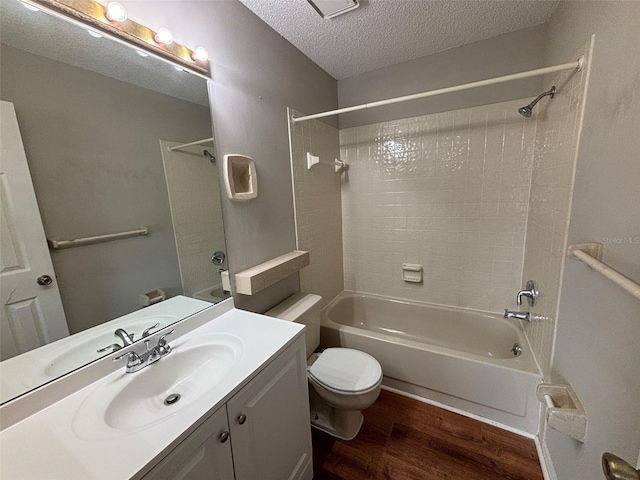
[
  {"x": 598, "y": 331},
  {"x": 257, "y": 74},
  {"x": 509, "y": 53}
]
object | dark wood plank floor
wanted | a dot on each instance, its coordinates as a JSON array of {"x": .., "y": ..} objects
[{"x": 403, "y": 439}]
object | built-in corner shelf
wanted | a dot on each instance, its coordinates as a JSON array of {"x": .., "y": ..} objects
[{"x": 254, "y": 279}]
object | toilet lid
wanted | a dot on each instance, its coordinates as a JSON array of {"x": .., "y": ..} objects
[{"x": 346, "y": 370}]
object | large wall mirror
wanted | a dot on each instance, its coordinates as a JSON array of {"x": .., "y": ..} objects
[{"x": 91, "y": 121}]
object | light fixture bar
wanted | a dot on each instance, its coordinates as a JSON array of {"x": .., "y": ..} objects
[{"x": 89, "y": 13}]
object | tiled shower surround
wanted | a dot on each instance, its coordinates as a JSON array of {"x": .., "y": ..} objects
[
  {"x": 448, "y": 191},
  {"x": 318, "y": 207},
  {"x": 556, "y": 145}
]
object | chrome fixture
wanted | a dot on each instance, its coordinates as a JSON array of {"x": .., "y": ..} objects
[
  {"x": 615, "y": 468},
  {"x": 519, "y": 315},
  {"x": 531, "y": 293},
  {"x": 127, "y": 339},
  {"x": 212, "y": 159},
  {"x": 171, "y": 399},
  {"x": 218, "y": 258},
  {"x": 122, "y": 334},
  {"x": 146, "y": 331},
  {"x": 137, "y": 362},
  {"x": 526, "y": 110},
  {"x": 516, "y": 350}
]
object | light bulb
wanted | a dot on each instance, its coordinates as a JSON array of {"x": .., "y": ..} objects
[
  {"x": 33, "y": 8},
  {"x": 200, "y": 54},
  {"x": 95, "y": 34},
  {"x": 116, "y": 12},
  {"x": 163, "y": 35}
]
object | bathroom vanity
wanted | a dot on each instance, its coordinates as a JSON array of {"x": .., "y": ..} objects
[{"x": 241, "y": 410}]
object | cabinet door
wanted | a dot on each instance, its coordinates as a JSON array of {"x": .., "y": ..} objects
[
  {"x": 203, "y": 455},
  {"x": 269, "y": 422}
]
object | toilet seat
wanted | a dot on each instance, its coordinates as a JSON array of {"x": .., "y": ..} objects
[{"x": 346, "y": 370}]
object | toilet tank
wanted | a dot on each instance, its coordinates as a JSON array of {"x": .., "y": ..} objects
[{"x": 301, "y": 308}]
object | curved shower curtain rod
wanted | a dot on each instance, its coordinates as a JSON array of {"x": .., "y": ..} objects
[{"x": 576, "y": 65}]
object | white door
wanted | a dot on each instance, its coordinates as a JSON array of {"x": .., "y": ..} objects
[{"x": 31, "y": 313}]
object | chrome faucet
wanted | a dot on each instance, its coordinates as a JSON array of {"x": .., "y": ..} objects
[
  {"x": 122, "y": 334},
  {"x": 126, "y": 337},
  {"x": 519, "y": 315},
  {"x": 136, "y": 362},
  {"x": 531, "y": 293}
]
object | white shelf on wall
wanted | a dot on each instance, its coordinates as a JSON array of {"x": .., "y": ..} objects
[{"x": 254, "y": 279}]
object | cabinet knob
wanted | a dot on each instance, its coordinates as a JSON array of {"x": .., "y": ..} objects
[
  {"x": 242, "y": 418},
  {"x": 224, "y": 436}
]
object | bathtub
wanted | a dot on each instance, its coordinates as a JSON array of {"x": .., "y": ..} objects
[{"x": 459, "y": 358}]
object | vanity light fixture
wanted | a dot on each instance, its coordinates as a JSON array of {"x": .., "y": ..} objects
[
  {"x": 116, "y": 12},
  {"x": 200, "y": 54},
  {"x": 112, "y": 21},
  {"x": 164, "y": 36}
]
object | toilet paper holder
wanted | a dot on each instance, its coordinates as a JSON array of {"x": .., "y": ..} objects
[{"x": 565, "y": 412}]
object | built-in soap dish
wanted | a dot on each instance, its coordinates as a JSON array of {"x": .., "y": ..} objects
[
  {"x": 240, "y": 178},
  {"x": 565, "y": 412}
]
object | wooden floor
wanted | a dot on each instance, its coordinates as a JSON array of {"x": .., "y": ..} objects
[{"x": 403, "y": 439}]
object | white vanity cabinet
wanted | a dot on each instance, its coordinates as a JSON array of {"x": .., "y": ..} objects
[
  {"x": 262, "y": 433},
  {"x": 205, "y": 454}
]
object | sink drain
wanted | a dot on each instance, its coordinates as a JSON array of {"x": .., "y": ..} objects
[{"x": 171, "y": 399}]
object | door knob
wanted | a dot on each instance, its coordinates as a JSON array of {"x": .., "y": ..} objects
[
  {"x": 224, "y": 436},
  {"x": 615, "y": 468},
  {"x": 44, "y": 280},
  {"x": 242, "y": 418}
]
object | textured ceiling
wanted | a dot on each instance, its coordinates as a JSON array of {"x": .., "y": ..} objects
[
  {"x": 51, "y": 37},
  {"x": 381, "y": 33}
]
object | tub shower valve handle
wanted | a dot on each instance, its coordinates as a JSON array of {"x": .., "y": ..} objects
[{"x": 531, "y": 293}]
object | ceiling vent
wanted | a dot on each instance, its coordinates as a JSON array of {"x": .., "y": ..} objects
[{"x": 333, "y": 8}]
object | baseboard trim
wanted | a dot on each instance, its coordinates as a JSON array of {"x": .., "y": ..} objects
[{"x": 544, "y": 457}]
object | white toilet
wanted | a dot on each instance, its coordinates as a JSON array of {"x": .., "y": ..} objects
[{"x": 344, "y": 381}]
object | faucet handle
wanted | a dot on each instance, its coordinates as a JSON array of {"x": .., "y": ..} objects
[
  {"x": 114, "y": 347},
  {"x": 531, "y": 293},
  {"x": 162, "y": 347},
  {"x": 147, "y": 330},
  {"x": 133, "y": 359}
]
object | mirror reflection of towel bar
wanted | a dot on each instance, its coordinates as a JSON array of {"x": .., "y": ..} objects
[{"x": 55, "y": 243}]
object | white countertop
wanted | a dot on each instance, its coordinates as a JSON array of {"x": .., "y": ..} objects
[{"x": 53, "y": 443}]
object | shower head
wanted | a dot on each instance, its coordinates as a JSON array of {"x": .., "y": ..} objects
[
  {"x": 212, "y": 159},
  {"x": 527, "y": 109}
]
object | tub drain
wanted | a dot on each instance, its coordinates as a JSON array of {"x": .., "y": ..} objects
[
  {"x": 171, "y": 399},
  {"x": 516, "y": 350}
]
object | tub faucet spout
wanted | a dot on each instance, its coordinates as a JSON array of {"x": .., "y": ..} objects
[{"x": 519, "y": 315}]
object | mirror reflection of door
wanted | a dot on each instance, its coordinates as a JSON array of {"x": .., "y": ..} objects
[{"x": 32, "y": 313}]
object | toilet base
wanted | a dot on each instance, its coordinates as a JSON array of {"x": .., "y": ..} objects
[{"x": 342, "y": 424}]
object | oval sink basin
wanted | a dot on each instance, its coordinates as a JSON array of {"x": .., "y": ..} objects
[{"x": 134, "y": 401}]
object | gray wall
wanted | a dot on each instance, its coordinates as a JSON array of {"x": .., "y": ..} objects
[
  {"x": 598, "y": 329},
  {"x": 94, "y": 154},
  {"x": 509, "y": 53},
  {"x": 257, "y": 74}
]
